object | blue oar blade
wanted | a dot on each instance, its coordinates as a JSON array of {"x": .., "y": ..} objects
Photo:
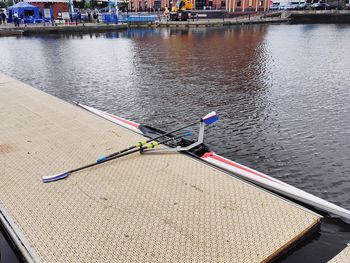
[
  {"x": 56, "y": 177},
  {"x": 101, "y": 159},
  {"x": 187, "y": 133},
  {"x": 210, "y": 118}
]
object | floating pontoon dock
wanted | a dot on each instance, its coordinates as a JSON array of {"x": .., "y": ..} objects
[
  {"x": 139, "y": 208},
  {"x": 342, "y": 257}
]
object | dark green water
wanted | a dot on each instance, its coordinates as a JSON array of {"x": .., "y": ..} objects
[{"x": 282, "y": 92}]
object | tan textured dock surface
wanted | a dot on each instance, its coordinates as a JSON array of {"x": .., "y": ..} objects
[
  {"x": 149, "y": 208},
  {"x": 342, "y": 257}
]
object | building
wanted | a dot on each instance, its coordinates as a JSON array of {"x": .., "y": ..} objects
[
  {"x": 228, "y": 5},
  {"x": 52, "y": 7},
  {"x": 247, "y": 5}
]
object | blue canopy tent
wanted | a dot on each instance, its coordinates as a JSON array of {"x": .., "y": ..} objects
[{"x": 29, "y": 13}]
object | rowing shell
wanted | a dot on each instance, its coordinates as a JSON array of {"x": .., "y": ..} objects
[{"x": 242, "y": 171}]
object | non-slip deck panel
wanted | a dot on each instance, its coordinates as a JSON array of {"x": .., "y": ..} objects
[
  {"x": 140, "y": 208},
  {"x": 342, "y": 257}
]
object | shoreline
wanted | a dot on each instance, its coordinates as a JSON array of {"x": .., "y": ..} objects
[
  {"x": 49, "y": 29},
  {"x": 258, "y": 18}
]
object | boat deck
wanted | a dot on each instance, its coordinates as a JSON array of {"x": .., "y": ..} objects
[
  {"x": 140, "y": 208},
  {"x": 342, "y": 257}
]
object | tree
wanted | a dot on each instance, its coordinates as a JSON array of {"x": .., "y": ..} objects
[{"x": 87, "y": 5}]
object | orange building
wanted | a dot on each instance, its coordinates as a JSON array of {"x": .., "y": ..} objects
[{"x": 228, "y": 5}]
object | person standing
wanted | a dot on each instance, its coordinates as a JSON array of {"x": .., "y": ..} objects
[
  {"x": 16, "y": 19},
  {"x": 76, "y": 18},
  {"x": 96, "y": 17},
  {"x": 21, "y": 19},
  {"x": 3, "y": 18}
]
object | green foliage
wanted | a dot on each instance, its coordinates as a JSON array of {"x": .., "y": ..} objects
[
  {"x": 79, "y": 4},
  {"x": 93, "y": 4},
  {"x": 5, "y": 4},
  {"x": 87, "y": 5}
]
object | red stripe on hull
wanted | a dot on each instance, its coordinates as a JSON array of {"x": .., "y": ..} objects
[
  {"x": 125, "y": 121},
  {"x": 236, "y": 165}
]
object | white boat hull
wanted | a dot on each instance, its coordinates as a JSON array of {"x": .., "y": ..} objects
[{"x": 244, "y": 172}]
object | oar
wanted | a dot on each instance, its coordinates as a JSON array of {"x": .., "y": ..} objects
[
  {"x": 52, "y": 178},
  {"x": 207, "y": 119}
]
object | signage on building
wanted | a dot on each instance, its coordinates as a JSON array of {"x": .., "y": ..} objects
[{"x": 47, "y": 12}]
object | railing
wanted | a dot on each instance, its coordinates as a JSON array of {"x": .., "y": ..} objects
[{"x": 137, "y": 18}]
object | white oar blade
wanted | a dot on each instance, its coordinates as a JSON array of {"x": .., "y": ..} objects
[{"x": 56, "y": 177}]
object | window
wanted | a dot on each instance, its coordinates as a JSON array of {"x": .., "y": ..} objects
[
  {"x": 239, "y": 3},
  {"x": 157, "y": 5},
  {"x": 200, "y": 4}
]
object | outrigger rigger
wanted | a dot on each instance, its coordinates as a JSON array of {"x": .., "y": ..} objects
[{"x": 203, "y": 153}]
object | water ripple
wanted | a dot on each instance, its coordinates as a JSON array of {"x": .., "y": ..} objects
[{"x": 282, "y": 91}]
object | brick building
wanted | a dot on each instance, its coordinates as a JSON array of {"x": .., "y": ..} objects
[
  {"x": 246, "y": 5},
  {"x": 54, "y": 5},
  {"x": 228, "y": 5}
]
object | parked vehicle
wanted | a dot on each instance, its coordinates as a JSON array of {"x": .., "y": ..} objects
[
  {"x": 290, "y": 6},
  {"x": 296, "y": 5},
  {"x": 304, "y": 6},
  {"x": 323, "y": 6},
  {"x": 283, "y": 6},
  {"x": 275, "y": 6}
]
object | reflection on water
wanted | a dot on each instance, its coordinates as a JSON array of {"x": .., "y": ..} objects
[{"x": 281, "y": 91}]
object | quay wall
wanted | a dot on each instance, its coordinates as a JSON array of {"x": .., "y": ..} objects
[
  {"x": 320, "y": 16},
  {"x": 50, "y": 29},
  {"x": 74, "y": 29},
  {"x": 257, "y": 18},
  {"x": 218, "y": 22}
]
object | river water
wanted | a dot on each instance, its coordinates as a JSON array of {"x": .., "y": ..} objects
[{"x": 282, "y": 93}]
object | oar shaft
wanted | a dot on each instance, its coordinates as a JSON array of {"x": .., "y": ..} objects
[
  {"x": 122, "y": 151},
  {"x": 122, "y": 154},
  {"x": 52, "y": 178}
]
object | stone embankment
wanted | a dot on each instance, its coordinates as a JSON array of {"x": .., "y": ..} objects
[
  {"x": 246, "y": 20},
  {"x": 10, "y": 30},
  {"x": 320, "y": 16}
]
